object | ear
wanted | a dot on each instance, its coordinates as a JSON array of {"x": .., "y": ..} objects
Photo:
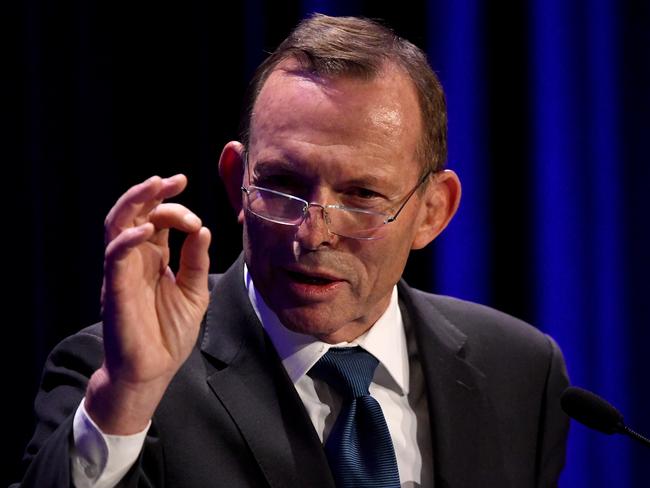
[
  {"x": 440, "y": 202},
  {"x": 231, "y": 171}
]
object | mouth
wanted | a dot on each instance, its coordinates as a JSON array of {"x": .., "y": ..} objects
[
  {"x": 311, "y": 278},
  {"x": 310, "y": 286}
]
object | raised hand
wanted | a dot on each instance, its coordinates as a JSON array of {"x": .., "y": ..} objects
[{"x": 151, "y": 316}]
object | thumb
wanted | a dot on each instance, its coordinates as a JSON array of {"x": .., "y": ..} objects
[{"x": 192, "y": 276}]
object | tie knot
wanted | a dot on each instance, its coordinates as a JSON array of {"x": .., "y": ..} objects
[{"x": 349, "y": 370}]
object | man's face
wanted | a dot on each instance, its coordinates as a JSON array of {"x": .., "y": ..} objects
[{"x": 334, "y": 141}]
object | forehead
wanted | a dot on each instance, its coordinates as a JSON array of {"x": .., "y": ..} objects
[{"x": 298, "y": 115}]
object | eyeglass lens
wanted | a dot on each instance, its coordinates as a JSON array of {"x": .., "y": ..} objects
[{"x": 291, "y": 211}]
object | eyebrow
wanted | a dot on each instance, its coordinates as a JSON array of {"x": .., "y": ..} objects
[
  {"x": 291, "y": 167},
  {"x": 265, "y": 167}
]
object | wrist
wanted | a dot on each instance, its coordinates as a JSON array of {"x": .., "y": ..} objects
[{"x": 122, "y": 408}]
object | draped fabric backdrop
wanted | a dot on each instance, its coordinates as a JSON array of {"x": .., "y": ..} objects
[{"x": 549, "y": 112}]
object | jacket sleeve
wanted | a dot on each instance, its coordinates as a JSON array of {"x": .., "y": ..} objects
[{"x": 46, "y": 462}]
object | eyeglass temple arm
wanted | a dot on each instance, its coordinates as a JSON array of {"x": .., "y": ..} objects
[{"x": 399, "y": 210}]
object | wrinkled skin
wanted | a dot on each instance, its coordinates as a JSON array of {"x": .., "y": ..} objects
[{"x": 336, "y": 141}]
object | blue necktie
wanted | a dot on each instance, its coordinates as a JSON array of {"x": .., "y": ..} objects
[{"x": 359, "y": 448}]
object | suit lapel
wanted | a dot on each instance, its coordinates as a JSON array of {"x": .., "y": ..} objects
[
  {"x": 253, "y": 386},
  {"x": 465, "y": 440}
]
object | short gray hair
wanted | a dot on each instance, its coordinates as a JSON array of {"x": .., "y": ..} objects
[{"x": 360, "y": 47}]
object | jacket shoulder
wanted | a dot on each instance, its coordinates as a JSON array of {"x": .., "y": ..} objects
[{"x": 487, "y": 335}]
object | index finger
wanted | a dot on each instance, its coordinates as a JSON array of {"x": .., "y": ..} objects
[{"x": 133, "y": 207}]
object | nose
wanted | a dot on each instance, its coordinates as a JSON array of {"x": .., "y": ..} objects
[{"x": 313, "y": 232}]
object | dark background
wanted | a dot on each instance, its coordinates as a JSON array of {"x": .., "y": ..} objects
[{"x": 549, "y": 109}]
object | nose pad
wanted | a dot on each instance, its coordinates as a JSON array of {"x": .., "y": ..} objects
[
  {"x": 314, "y": 231},
  {"x": 320, "y": 210},
  {"x": 326, "y": 218}
]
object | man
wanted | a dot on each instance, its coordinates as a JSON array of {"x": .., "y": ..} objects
[{"x": 198, "y": 381}]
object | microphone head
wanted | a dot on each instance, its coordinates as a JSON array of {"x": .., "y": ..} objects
[{"x": 591, "y": 410}]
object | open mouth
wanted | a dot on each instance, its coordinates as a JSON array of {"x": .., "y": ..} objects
[{"x": 309, "y": 279}]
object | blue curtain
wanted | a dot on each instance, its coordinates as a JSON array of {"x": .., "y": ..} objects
[
  {"x": 579, "y": 224},
  {"x": 587, "y": 177},
  {"x": 549, "y": 126}
]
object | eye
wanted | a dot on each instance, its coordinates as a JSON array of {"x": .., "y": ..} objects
[
  {"x": 363, "y": 197},
  {"x": 364, "y": 193}
]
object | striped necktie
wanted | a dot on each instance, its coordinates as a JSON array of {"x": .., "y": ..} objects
[{"x": 359, "y": 448}]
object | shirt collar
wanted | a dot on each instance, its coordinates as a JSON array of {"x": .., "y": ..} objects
[{"x": 385, "y": 340}]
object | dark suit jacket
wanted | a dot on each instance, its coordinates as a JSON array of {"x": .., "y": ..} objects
[{"x": 232, "y": 418}]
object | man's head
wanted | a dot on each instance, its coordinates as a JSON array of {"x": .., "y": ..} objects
[
  {"x": 359, "y": 48},
  {"x": 338, "y": 130}
]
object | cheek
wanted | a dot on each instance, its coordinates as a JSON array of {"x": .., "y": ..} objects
[
  {"x": 257, "y": 231},
  {"x": 264, "y": 241},
  {"x": 255, "y": 245},
  {"x": 382, "y": 262}
]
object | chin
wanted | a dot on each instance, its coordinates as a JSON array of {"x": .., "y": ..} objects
[
  {"x": 310, "y": 322},
  {"x": 322, "y": 325}
]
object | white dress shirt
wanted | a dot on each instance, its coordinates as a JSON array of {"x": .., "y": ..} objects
[
  {"x": 398, "y": 383},
  {"x": 100, "y": 461}
]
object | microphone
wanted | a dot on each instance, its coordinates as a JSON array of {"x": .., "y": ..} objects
[{"x": 596, "y": 413}]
